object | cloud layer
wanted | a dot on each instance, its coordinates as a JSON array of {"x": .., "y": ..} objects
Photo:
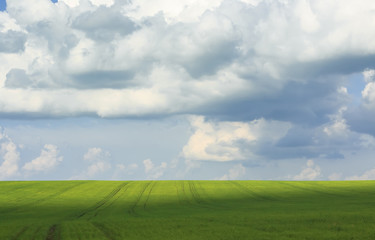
[{"x": 118, "y": 59}]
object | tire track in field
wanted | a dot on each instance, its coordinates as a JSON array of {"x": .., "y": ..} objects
[
  {"x": 35, "y": 233},
  {"x": 181, "y": 194},
  {"x": 106, "y": 199},
  {"x": 193, "y": 190},
  {"x": 131, "y": 210},
  {"x": 207, "y": 198},
  {"x": 103, "y": 229},
  {"x": 185, "y": 197},
  {"x": 112, "y": 200},
  {"x": 250, "y": 192},
  {"x": 309, "y": 189},
  {"x": 60, "y": 192},
  {"x": 43, "y": 199},
  {"x": 52, "y": 233},
  {"x": 19, "y": 233},
  {"x": 200, "y": 201},
  {"x": 149, "y": 193}
]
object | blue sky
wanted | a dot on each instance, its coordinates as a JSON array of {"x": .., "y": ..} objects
[
  {"x": 2, "y": 5},
  {"x": 221, "y": 89}
]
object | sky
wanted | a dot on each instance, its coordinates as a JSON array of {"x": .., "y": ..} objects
[{"x": 217, "y": 90}]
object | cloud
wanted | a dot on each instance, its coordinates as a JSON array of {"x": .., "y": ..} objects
[
  {"x": 338, "y": 128},
  {"x": 122, "y": 170},
  {"x": 96, "y": 168},
  {"x": 310, "y": 172},
  {"x": 369, "y": 75},
  {"x": 148, "y": 165},
  {"x": 330, "y": 140},
  {"x": 10, "y": 156},
  {"x": 335, "y": 176},
  {"x": 367, "y": 175},
  {"x": 99, "y": 162},
  {"x": 152, "y": 171},
  {"x": 234, "y": 173},
  {"x": 12, "y": 42},
  {"x": 268, "y": 140},
  {"x": 361, "y": 118},
  {"x": 216, "y": 143},
  {"x": 17, "y": 78},
  {"x": 49, "y": 158},
  {"x": 106, "y": 3},
  {"x": 231, "y": 59},
  {"x": 95, "y": 154},
  {"x": 229, "y": 141},
  {"x": 104, "y": 24},
  {"x": 268, "y": 79}
]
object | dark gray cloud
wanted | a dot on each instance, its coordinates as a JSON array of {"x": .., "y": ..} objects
[
  {"x": 297, "y": 137},
  {"x": 304, "y": 103},
  {"x": 342, "y": 64}
]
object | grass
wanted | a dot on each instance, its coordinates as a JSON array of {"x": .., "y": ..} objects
[{"x": 187, "y": 210}]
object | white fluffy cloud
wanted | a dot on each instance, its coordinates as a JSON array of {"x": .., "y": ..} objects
[
  {"x": 310, "y": 172},
  {"x": 338, "y": 127},
  {"x": 228, "y": 141},
  {"x": 96, "y": 154},
  {"x": 48, "y": 159},
  {"x": 10, "y": 156},
  {"x": 234, "y": 173},
  {"x": 367, "y": 175},
  {"x": 152, "y": 171},
  {"x": 95, "y": 57},
  {"x": 96, "y": 168},
  {"x": 99, "y": 162},
  {"x": 122, "y": 171}
]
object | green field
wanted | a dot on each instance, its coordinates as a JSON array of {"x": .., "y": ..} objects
[{"x": 187, "y": 210}]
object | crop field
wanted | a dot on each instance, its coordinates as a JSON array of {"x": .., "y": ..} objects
[{"x": 187, "y": 210}]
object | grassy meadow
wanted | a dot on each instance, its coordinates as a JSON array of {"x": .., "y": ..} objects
[{"x": 187, "y": 210}]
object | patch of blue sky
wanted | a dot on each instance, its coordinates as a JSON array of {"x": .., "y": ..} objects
[
  {"x": 3, "y": 5},
  {"x": 355, "y": 86}
]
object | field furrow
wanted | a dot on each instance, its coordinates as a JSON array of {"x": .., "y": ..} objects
[
  {"x": 184, "y": 199},
  {"x": 52, "y": 233},
  {"x": 35, "y": 233},
  {"x": 106, "y": 232},
  {"x": 194, "y": 192},
  {"x": 45, "y": 195},
  {"x": 19, "y": 233},
  {"x": 149, "y": 193},
  {"x": 113, "y": 210},
  {"x": 103, "y": 201},
  {"x": 249, "y": 192},
  {"x": 143, "y": 188}
]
